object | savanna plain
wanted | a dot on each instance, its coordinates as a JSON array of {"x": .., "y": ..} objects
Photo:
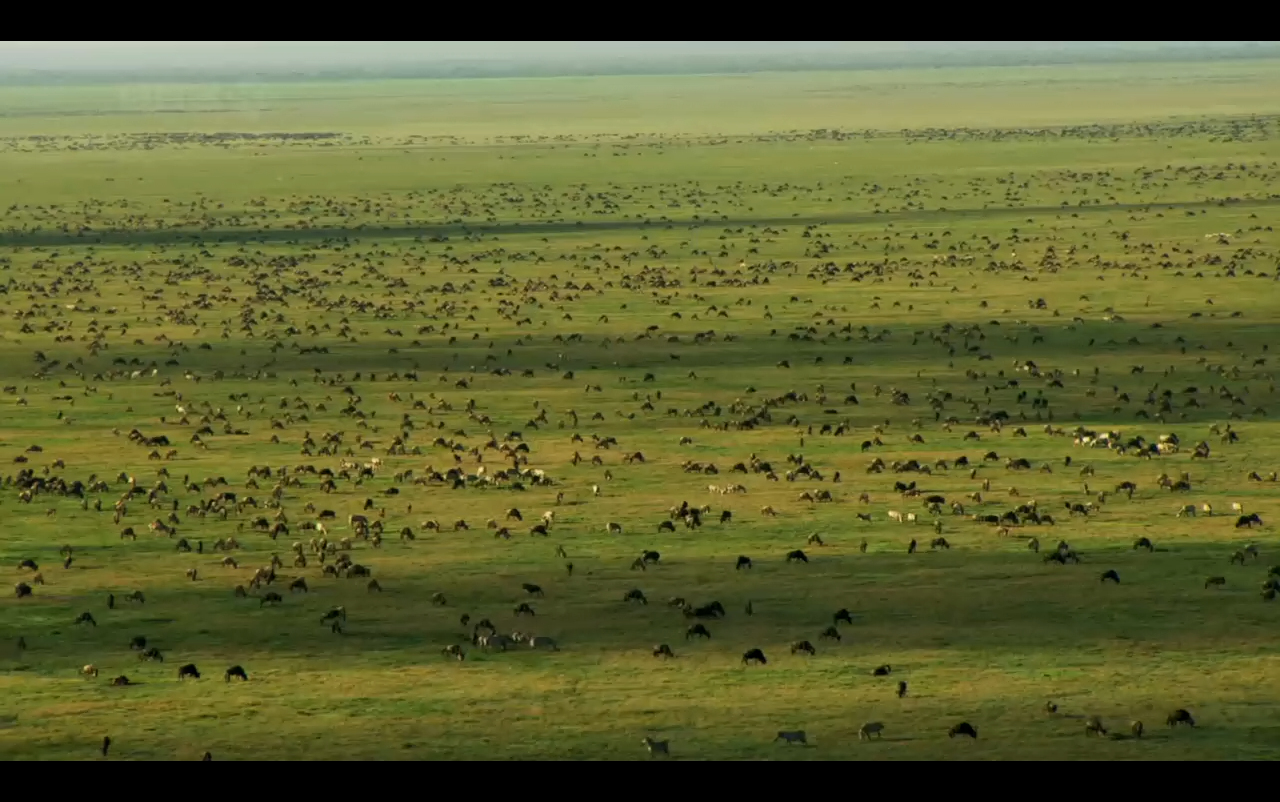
[{"x": 554, "y": 355}]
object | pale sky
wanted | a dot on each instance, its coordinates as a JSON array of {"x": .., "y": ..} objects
[{"x": 240, "y": 55}]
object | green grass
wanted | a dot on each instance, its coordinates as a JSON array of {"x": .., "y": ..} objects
[{"x": 438, "y": 205}]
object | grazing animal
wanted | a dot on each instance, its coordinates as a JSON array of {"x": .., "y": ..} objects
[
  {"x": 235, "y": 671},
  {"x": 743, "y": 562},
  {"x": 1180, "y": 716},
  {"x": 89, "y": 671},
  {"x": 635, "y": 595},
  {"x": 843, "y": 615},
  {"x": 753, "y": 656},
  {"x": 662, "y": 650},
  {"x": 523, "y": 608},
  {"x": 138, "y": 643},
  {"x": 1093, "y": 726},
  {"x": 270, "y": 598},
  {"x": 881, "y": 671},
  {"x": 697, "y": 630},
  {"x": 1143, "y": 543},
  {"x": 1135, "y": 727},
  {"x": 803, "y": 646},
  {"x": 963, "y": 728},
  {"x": 189, "y": 670},
  {"x": 1216, "y": 581},
  {"x": 870, "y": 728},
  {"x": 298, "y": 584},
  {"x": 797, "y": 556},
  {"x": 120, "y": 681},
  {"x": 532, "y": 590},
  {"x": 830, "y": 633},
  {"x": 792, "y": 737},
  {"x": 86, "y": 618},
  {"x": 657, "y": 747},
  {"x": 1112, "y": 575},
  {"x": 152, "y": 654}
]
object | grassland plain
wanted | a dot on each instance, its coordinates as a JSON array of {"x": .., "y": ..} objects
[{"x": 940, "y": 234}]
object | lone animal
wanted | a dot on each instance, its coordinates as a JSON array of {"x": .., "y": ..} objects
[
  {"x": 89, "y": 671},
  {"x": 189, "y": 670},
  {"x": 1112, "y": 575},
  {"x": 120, "y": 681},
  {"x": 902, "y": 689},
  {"x": 86, "y": 618},
  {"x": 614, "y": 528},
  {"x": 1180, "y": 716},
  {"x": 662, "y": 650},
  {"x": 843, "y": 615},
  {"x": 1136, "y": 728},
  {"x": 1093, "y": 726},
  {"x": 531, "y": 589},
  {"x": 753, "y": 655},
  {"x": 657, "y": 747},
  {"x": 743, "y": 562},
  {"x": 1217, "y": 581},
  {"x": 138, "y": 643},
  {"x": 1143, "y": 543},
  {"x": 803, "y": 646},
  {"x": 635, "y": 595},
  {"x": 870, "y": 728},
  {"x": 792, "y": 737},
  {"x": 106, "y": 744},
  {"x": 963, "y": 728},
  {"x": 881, "y": 671},
  {"x": 235, "y": 671},
  {"x": 830, "y": 633},
  {"x": 797, "y": 556}
]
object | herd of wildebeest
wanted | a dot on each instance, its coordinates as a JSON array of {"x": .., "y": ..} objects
[{"x": 363, "y": 373}]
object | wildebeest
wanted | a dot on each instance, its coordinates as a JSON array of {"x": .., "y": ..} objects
[
  {"x": 1135, "y": 727},
  {"x": 797, "y": 556},
  {"x": 523, "y": 608},
  {"x": 235, "y": 671},
  {"x": 86, "y": 618},
  {"x": 1093, "y": 726},
  {"x": 270, "y": 598},
  {"x": 1143, "y": 543},
  {"x": 662, "y": 650},
  {"x": 1112, "y": 575},
  {"x": 753, "y": 656},
  {"x": 792, "y": 737},
  {"x": 697, "y": 630},
  {"x": 151, "y": 654},
  {"x": 843, "y": 615},
  {"x": 881, "y": 671},
  {"x": 531, "y": 589},
  {"x": 963, "y": 728},
  {"x": 1216, "y": 581},
  {"x": 635, "y": 594},
  {"x": 657, "y": 747},
  {"x": 870, "y": 728},
  {"x": 298, "y": 584},
  {"x": 189, "y": 670},
  {"x": 1180, "y": 716},
  {"x": 803, "y": 646},
  {"x": 830, "y": 633},
  {"x": 743, "y": 562},
  {"x": 1248, "y": 520}
]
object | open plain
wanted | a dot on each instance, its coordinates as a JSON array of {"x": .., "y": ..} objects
[{"x": 237, "y": 316}]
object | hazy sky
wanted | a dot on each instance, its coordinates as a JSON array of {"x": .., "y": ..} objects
[{"x": 213, "y": 55}]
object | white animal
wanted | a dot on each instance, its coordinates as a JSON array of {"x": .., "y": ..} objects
[
  {"x": 1237, "y": 508},
  {"x": 911, "y": 517},
  {"x": 613, "y": 528},
  {"x": 894, "y": 515}
]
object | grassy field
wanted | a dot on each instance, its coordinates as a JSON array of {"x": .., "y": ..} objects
[{"x": 705, "y": 269}]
